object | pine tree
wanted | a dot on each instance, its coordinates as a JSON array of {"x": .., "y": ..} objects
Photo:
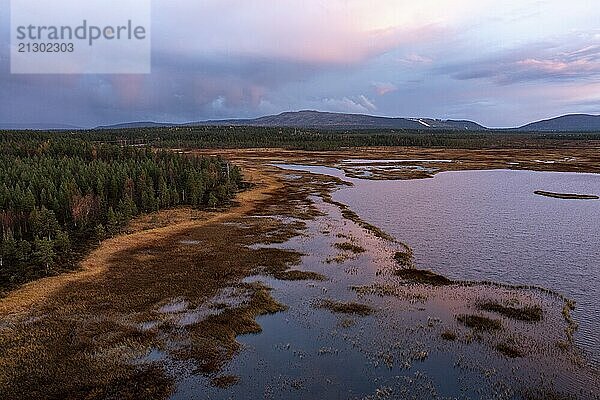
[
  {"x": 62, "y": 243},
  {"x": 100, "y": 232},
  {"x": 8, "y": 249},
  {"x": 24, "y": 252},
  {"x": 164, "y": 193},
  {"x": 56, "y": 187},
  {"x": 28, "y": 201},
  {"x": 43, "y": 253},
  {"x": 112, "y": 222},
  {"x": 212, "y": 200}
]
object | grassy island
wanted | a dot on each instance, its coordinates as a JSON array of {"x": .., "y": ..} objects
[{"x": 567, "y": 195}]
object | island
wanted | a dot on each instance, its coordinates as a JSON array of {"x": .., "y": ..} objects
[{"x": 567, "y": 195}]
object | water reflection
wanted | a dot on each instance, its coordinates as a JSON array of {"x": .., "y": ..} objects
[{"x": 489, "y": 225}]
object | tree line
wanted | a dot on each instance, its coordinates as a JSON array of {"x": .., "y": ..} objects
[
  {"x": 314, "y": 139},
  {"x": 59, "y": 194}
]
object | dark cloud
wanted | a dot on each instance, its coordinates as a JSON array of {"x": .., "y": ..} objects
[{"x": 178, "y": 90}]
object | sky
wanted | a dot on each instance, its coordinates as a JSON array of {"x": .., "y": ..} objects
[{"x": 501, "y": 63}]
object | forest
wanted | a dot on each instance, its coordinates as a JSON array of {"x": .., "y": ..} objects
[
  {"x": 312, "y": 139},
  {"x": 60, "y": 194}
]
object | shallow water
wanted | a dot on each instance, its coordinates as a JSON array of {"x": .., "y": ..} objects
[
  {"x": 489, "y": 225},
  {"x": 308, "y": 352},
  {"x": 397, "y": 161}
]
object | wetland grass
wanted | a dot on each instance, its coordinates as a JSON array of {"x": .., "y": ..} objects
[
  {"x": 347, "y": 246},
  {"x": 572, "y": 326},
  {"x": 339, "y": 307},
  {"x": 449, "y": 335},
  {"x": 422, "y": 277},
  {"x": 224, "y": 381},
  {"x": 99, "y": 311},
  {"x": 404, "y": 258},
  {"x": 525, "y": 313},
  {"x": 510, "y": 350},
  {"x": 479, "y": 322},
  {"x": 338, "y": 259},
  {"x": 350, "y": 215},
  {"x": 544, "y": 394},
  {"x": 214, "y": 339},
  {"x": 90, "y": 332},
  {"x": 296, "y": 275}
]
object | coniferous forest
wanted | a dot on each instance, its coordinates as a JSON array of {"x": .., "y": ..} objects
[
  {"x": 312, "y": 139},
  {"x": 59, "y": 195}
]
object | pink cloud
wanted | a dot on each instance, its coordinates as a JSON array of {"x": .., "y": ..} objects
[
  {"x": 558, "y": 66},
  {"x": 551, "y": 62},
  {"x": 383, "y": 88},
  {"x": 307, "y": 31}
]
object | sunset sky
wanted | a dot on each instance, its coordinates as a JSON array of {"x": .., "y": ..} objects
[{"x": 500, "y": 63}]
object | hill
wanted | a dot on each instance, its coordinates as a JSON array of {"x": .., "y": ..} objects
[
  {"x": 566, "y": 123},
  {"x": 338, "y": 121}
]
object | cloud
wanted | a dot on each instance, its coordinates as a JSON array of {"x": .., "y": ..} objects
[
  {"x": 359, "y": 104},
  {"x": 305, "y": 31},
  {"x": 416, "y": 59},
  {"x": 550, "y": 62},
  {"x": 235, "y": 58},
  {"x": 383, "y": 88}
]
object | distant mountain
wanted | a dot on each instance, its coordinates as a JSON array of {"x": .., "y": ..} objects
[
  {"x": 327, "y": 120},
  {"x": 339, "y": 121},
  {"x": 128, "y": 125},
  {"x": 566, "y": 123},
  {"x": 37, "y": 127}
]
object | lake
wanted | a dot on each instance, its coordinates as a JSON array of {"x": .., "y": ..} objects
[{"x": 489, "y": 225}]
